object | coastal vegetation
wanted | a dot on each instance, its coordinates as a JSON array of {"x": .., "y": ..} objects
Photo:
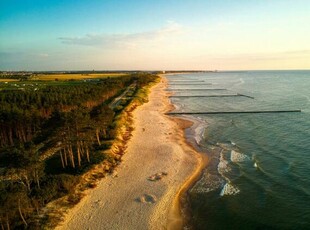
[
  {"x": 58, "y": 136},
  {"x": 51, "y": 76}
]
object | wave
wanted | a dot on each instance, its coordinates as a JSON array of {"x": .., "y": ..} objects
[
  {"x": 208, "y": 183},
  {"x": 223, "y": 165},
  {"x": 195, "y": 134},
  {"x": 255, "y": 160},
  {"x": 199, "y": 132},
  {"x": 229, "y": 189},
  {"x": 238, "y": 157},
  {"x": 227, "y": 145},
  {"x": 255, "y": 165},
  {"x": 265, "y": 174},
  {"x": 177, "y": 105}
]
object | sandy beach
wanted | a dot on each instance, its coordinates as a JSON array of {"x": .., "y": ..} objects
[{"x": 144, "y": 190}]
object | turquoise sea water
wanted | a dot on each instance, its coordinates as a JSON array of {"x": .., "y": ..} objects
[{"x": 259, "y": 171}]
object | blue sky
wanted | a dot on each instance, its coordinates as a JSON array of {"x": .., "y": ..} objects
[{"x": 162, "y": 34}]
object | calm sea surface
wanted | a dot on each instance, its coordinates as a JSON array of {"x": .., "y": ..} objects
[{"x": 259, "y": 171}]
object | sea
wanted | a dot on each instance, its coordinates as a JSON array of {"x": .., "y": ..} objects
[{"x": 258, "y": 175}]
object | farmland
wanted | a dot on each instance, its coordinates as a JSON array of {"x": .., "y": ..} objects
[{"x": 35, "y": 81}]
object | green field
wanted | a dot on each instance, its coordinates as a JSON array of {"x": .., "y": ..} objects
[
  {"x": 63, "y": 77},
  {"x": 39, "y": 81}
]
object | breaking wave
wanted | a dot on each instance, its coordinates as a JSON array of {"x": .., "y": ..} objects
[
  {"x": 208, "y": 183},
  {"x": 237, "y": 157},
  {"x": 229, "y": 189},
  {"x": 223, "y": 165}
]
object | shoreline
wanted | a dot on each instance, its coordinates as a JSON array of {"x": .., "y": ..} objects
[
  {"x": 179, "y": 212},
  {"x": 178, "y": 215},
  {"x": 130, "y": 198}
]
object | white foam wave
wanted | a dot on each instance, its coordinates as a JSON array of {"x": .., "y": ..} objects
[
  {"x": 225, "y": 146},
  {"x": 228, "y": 145},
  {"x": 199, "y": 132},
  {"x": 198, "y": 129},
  {"x": 238, "y": 157},
  {"x": 229, "y": 189},
  {"x": 223, "y": 166},
  {"x": 198, "y": 139},
  {"x": 208, "y": 183}
]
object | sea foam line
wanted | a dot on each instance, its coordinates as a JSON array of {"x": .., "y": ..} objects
[
  {"x": 229, "y": 189},
  {"x": 237, "y": 157}
]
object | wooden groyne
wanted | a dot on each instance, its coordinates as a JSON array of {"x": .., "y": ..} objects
[
  {"x": 235, "y": 112},
  {"x": 227, "y": 95},
  {"x": 190, "y": 84},
  {"x": 178, "y": 78},
  {"x": 185, "y": 81},
  {"x": 193, "y": 89},
  {"x": 243, "y": 95}
]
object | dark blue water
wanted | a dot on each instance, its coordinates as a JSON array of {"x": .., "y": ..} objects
[{"x": 259, "y": 171}]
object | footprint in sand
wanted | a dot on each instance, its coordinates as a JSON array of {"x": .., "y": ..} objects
[
  {"x": 147, "y": 198},
  {"x": 157, "y": 176},
  {"x": 96, "y": 204}
]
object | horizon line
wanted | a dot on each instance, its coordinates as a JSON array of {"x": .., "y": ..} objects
[{"x": 153, "y": 70}]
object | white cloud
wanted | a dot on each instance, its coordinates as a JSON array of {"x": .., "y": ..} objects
[
  {"x": 125, "y": 40},
  {"x": 288, "y": 55}
]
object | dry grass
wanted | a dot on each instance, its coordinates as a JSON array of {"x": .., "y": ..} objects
[
  {"x": 52, "y": 77},
  {"x": 8, "y": 80}
]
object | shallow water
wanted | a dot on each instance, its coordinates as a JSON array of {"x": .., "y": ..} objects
[{"x": 258, "y": 177}]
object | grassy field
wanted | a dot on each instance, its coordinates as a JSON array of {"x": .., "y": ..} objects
[
  {"x": 63, "y": 77},
  {"x": 40, "y": 81},
  {"x": 7, "y": 80}
]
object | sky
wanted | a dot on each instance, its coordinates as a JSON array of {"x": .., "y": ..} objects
[{"x": 154, "y": 35}]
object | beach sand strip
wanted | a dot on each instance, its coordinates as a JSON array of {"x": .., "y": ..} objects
[{"x": 145, "y": 189}]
